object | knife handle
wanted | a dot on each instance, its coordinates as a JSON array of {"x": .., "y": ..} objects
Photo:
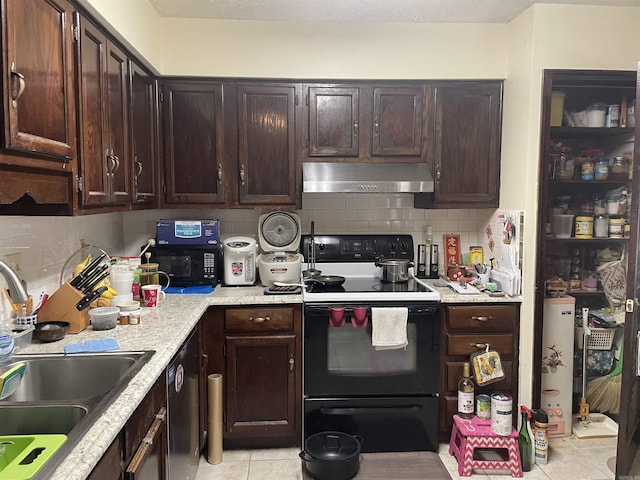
[{"x": 87, "y": 299}]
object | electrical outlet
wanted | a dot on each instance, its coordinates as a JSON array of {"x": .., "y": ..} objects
[{"x": 14, "y": 260}]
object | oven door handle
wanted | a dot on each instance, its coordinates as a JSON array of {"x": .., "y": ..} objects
[{"x": 404, "y": 409}]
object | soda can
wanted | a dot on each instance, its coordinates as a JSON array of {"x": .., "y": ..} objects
[
  {"x": 483, "y": 407},
  {"x": 501, "y": 419}
]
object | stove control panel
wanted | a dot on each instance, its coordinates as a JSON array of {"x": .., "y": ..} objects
[{"x": 357, "y": 248}]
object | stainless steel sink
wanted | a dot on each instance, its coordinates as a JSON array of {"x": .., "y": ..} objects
[
  {"x": 66, "y": 394},
  {"x": 55, "y": 378},
  {"x": 39, "y": 419}
]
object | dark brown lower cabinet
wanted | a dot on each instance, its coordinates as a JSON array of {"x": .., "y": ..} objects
[
  {"x": 258, "y": 350},
  {"x": 466, "y": 329},
  {"x": 139, "y": 452}
]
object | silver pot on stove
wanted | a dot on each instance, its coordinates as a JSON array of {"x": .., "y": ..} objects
[{"x": 394, "y": 270}]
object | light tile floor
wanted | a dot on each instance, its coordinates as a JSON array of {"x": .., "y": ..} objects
[{"x": 569, "y": 459}]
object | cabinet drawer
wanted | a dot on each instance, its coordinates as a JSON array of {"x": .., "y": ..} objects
[
  {"x": 481, "y": 317},
  {"x": 267, "y": 319},
  {"x": 465, "y": 344},
  {"x": 453, "y": 374}
]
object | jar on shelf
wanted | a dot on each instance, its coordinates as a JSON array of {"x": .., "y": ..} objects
[
  {"x": 601, "y": 226},
  {"x": 619, "y": 167},
  {"x": 599, "y": 205},
  {"x": 616, "y": 227},
  {"x": 587, "y": 171},
  {"x": 601, "y": 169},
  {"x": 584, "y": 226},
  {"x": 566, "y": 164}
]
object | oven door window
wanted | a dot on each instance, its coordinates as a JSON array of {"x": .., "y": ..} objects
[
  {"x": 341, "y": 361},
  {"x": 349, "y": 353}
]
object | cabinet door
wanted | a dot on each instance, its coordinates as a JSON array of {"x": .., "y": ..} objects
[
  {"x": 194, "y": 149},
  {"x": 38, "y": 78},
  {"x": 149, "y": 460},
  {"x": 266, "y": 145},
  {"x": 94, "y": 165},
  {"x": 333, "y": 121},
  {"x": 143, "y": 115},
  {"x": 260, "y": 385},
  {"x": 467, "y": 144},
  {"x": 397, "y": 121},
  {"x": 117, "y": 124}
]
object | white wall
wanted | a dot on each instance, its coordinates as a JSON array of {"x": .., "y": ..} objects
[
  {"x": 332, "y": 50},
  {"x": 138, "y": 22}
]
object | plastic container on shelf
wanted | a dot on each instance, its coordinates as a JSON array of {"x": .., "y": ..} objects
[
  {"x": 596, "y": 113},
  {"x": 562, "y": 225}
]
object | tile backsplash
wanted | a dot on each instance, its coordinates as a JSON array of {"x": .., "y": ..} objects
[{"x": 39, "y": 246}]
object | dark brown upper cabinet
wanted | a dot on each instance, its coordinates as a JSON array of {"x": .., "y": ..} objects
[
  {"x": 105, "y": 174},
  {"x": 38, "y": 72},
  {"x": 465, "y": 148},
  {"x": 364, "y": 122},
  {"x": 196, "y": 171},
  {"x": 143, "y": 135},
  {"x": 267, "y": 173},
  {"x": 334, "y": 121}
]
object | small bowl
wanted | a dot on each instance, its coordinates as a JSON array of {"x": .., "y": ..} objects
[
  {"x": 104, "y": 318},
  {"x": 129, "y": 305},
  {"x": 50, "y": 331}
]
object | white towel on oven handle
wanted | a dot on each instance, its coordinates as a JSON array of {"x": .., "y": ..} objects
[{"x": 389, "y": 327}]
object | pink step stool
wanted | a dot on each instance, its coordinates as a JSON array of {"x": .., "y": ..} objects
[{"x": 467, "y": 435}]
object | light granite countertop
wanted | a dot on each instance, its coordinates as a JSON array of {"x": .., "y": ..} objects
[
  {"x": 164, "y": 329},
  {"x": 448, "y": 295}
]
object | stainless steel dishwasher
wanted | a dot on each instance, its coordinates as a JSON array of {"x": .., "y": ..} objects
[{"x": 182, "y": 412}]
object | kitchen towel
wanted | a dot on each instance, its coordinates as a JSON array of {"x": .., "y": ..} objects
[
  {"x": 389, "y": 327},
  {"x": 93, "y": 346}
]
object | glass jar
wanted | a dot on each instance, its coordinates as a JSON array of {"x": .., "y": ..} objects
[
  {"x": 619, "y": 168},
  {"x": 149, "y": 274},
  {"x": 601, "y": 169},
  {"x": 567, "y": 168},
  {"x": 601, "y": 226}
]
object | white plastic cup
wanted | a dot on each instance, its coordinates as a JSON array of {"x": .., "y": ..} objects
[{"x": 121, "y": 278}]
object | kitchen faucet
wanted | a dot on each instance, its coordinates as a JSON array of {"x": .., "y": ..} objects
[{"x": 18, "y": 292}]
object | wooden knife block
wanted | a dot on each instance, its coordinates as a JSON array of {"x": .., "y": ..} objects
[{"x": 61, "y": 306}]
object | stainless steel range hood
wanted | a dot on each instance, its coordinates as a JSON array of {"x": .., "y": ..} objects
[{"x": 325, "y": 177}]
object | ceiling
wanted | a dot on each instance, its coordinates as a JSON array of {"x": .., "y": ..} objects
[{"x": 416, "y": 11}]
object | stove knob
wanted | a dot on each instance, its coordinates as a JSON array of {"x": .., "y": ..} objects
[
  {"x": 404, "y": 246},
  {"x": 392, "y": 245},
  {"x": 321, "y": 246}
]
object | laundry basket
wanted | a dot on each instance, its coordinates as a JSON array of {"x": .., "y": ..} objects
[{"x": 600, "y": 338}]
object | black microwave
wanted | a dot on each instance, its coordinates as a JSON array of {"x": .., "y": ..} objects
[{"x": 188, "y": 265}]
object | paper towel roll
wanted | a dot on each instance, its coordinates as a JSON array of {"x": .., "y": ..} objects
[{"x": 214, "y": 447}]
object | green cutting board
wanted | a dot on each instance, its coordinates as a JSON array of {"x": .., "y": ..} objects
[{"x": 24, "y": 455}]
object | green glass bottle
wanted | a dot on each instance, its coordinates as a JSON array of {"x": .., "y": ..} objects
[{"x": 525, "y": 443}]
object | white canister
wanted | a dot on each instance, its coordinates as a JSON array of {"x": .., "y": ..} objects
[
  {"x": 501, "y": 409},
  {"x": 601, "y": 226}
]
